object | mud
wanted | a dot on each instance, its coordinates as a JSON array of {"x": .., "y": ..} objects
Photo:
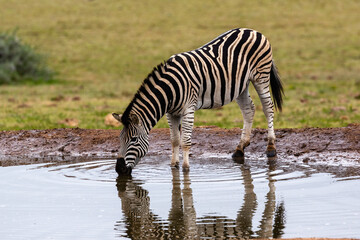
[{"x": 328, "y": 145}]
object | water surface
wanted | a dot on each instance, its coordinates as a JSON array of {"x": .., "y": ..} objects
[{"x": 217, "y": 199}]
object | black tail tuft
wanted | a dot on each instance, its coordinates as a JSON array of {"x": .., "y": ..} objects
[{"x": 276, "y": 87}]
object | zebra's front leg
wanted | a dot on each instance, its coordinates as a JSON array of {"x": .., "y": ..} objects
[
  {"x": 247, "y": 108},
  {"x": 262, "y": 88},
  {"x": 186, "y": 131},
  {"x": 174, "y": 124}
]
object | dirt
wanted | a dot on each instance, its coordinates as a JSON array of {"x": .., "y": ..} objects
[{"x": 306, "y": 145}]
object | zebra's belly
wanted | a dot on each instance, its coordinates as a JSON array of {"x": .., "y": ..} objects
[{"x": 208, "y": 104}]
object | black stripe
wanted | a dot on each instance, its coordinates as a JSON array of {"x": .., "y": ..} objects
[
  {"x": 160, "y": 98},
  {"x": 144, "y": 112},
  {"x": 262, "y": 56},
  {"x": 266, "y": 63},
  {"x": 193, "y": 69},
  {"x": 173, "y": 100},
  {"x": 169, "y": 94},
  {"x": 152, "y": 99},
  {"x": 236, "y": 53},
  {"x": 215, "y": 63},
  {"x": 186, "y": 76},
  {"x": 244, "y": 70},
  {"x": 203, "y": 81},
  {"x": 233, "y": 36},
  {"x": 255, "y": 57},
  {"x": 176, "y": 72},
  {"x": 211, "y": 76},
  {"x": 255, "y": 46}
]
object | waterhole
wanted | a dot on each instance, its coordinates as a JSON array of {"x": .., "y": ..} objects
[{"x": 217, "y": 199}]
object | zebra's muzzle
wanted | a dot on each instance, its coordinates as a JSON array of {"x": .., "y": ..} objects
[{"x": 121, "y": 167}]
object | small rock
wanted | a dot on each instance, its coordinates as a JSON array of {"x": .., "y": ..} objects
[
  {"x": 23, "y": 105},
  {"x": 111, "y": 121},
  {"x": 58, "y": 98},
  {"x": 76, "y": 98},
  {"x": 306, "y": 160},
  {"x": 297, "y": 154},
  {"x": 280, "y": 135},
  {"x": 338, "y": 109},
  {"x": 51, "y": 105},
  {"x": 71, "y": 122},
  {"x": 312, "y": 94},
  {"x": 323, "y": 100}
]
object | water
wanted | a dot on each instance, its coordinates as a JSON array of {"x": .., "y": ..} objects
[{"x": 217, "y": 199}]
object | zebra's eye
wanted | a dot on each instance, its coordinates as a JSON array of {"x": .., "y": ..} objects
[{"x": 133, "y": 139}]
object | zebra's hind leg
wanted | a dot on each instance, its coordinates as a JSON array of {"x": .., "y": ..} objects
[
  {"x": 263, "y": 90},
  {"x": 186, "y": 131},
  {"x": 174, "y": 124},
  {"x": 247, "y": 108}
]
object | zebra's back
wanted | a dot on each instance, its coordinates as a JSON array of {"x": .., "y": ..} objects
[{"x": 219, "y": 71}]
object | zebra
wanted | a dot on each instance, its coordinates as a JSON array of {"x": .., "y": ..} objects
[{"x": 208, "y": 77}]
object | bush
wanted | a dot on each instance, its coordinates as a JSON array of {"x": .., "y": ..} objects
[{"x": 19, "y": 62}]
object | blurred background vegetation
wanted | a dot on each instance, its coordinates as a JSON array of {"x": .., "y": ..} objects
[
  {"x": 102, "y": 51},
  {"x": 19, "y": 62}
]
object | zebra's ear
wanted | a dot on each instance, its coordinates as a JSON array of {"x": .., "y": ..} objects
[
  {"x": 117, "y": 116},
  {"x": 134, "y": 119}
]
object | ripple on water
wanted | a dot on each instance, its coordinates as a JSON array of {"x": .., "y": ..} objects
[
  {"x": 100, "y": 170},
  {"x": 217, "y": 198}
]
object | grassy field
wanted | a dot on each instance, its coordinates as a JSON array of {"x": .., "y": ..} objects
[{"x": 102, "y": 51}]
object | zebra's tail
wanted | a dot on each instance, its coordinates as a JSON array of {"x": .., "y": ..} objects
[{"x": 276, "y": 87}]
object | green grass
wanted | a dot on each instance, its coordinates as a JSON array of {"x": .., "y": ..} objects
[{"x": 102, "y": 51}]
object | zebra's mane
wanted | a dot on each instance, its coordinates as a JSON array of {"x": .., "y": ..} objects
[{"x": 125, "y": 119}]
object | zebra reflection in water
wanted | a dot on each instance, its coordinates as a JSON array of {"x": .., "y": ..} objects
[{"x": 182, "y": 223}]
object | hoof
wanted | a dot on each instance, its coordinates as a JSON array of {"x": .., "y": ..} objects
[
  {"x": 238, "y": 154},
  {"x": 121, "y": 167},
  {"x": 186, "y": 169},
  {"x": 176, "y": 165},
  {"x": 271, "y": 153}
]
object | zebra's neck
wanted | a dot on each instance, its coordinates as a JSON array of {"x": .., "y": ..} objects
[{"x": 151, "y": 101}]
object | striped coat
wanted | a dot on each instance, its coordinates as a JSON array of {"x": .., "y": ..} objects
[{"x": 208, "y": 77}]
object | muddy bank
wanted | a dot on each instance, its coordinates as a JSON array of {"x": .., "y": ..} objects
[{"x": 308, "y": 144}]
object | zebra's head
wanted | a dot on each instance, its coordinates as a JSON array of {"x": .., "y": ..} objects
[{"x": 134, "y": 143}]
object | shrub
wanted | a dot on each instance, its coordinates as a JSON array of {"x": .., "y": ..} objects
[{"x": 19, "y": 62}]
